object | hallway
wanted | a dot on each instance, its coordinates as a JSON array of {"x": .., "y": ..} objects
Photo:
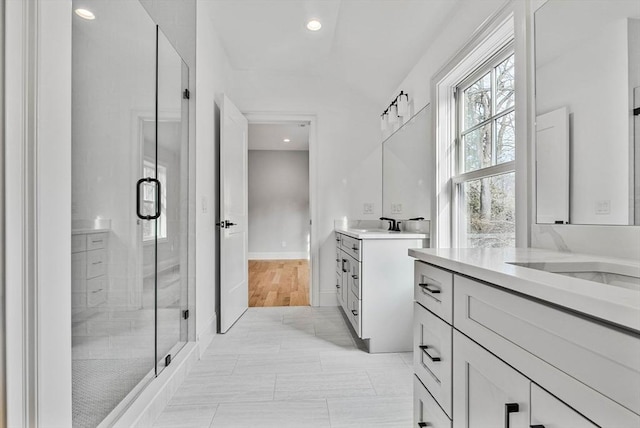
[
  {"x": 292, "y": 367},
  {"x": 278, "y": 283}
]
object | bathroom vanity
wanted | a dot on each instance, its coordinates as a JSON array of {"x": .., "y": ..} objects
[
  {"x": 374, "y": 285},
  {"x": 89, "y": 268},
  {"x": 525, "y": 338}
]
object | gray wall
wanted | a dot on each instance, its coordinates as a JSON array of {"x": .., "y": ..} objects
[{"x": 278, "y": 201}]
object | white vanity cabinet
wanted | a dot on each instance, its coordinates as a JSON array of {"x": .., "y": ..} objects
[
  {"x": 505, "y": 359},
  {"x": 88, "y": 269},
  {"x": 374, "y": 287}
]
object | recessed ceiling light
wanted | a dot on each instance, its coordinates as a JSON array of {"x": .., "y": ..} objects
[
  {"x": 286, "y": 140},
  {"x": 85, "y": 14},
  {"x": 314, "y": 25}
]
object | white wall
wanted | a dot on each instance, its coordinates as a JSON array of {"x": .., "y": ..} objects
[
  {"x": 348, "y": 148},
  {"x": 278, "y": 203},
  {"x": 212, "y": 70}
]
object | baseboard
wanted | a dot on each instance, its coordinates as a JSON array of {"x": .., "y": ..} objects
[
  {"x": 154, "y": 398},
  {"x": 206, "y": 336},
  {"x": 279, "y": 256},
  {"x": 328, "y": 298}
]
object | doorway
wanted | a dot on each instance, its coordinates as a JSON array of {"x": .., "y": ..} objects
[{"x": 279, "y": 226}]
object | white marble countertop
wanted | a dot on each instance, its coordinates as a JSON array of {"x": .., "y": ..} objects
[
  {"x": 379, "y": 233},
  {"x": 610, "y": 303}
]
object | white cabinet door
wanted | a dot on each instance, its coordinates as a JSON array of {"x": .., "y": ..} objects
[
  {"x": 549, "y": 412},
  {"x": 487, "y": 393}
]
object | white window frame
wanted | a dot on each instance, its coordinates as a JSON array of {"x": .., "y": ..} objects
[
  {"x": 497, "y": 33},
  {"x": 162, "y": 220},
  {"x": 458, "y": 214}
]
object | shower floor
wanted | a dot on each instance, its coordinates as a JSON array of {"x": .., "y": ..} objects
[{"x": 113, "y": 350}]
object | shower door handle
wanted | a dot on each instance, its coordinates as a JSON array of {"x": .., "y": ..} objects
[{"x": 158, "y": 192}]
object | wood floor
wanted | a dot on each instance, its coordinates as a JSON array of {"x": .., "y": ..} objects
[{"x": 278, "y": 283}]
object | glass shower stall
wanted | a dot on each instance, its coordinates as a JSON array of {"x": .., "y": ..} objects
[{"x": 129, "y": 206}]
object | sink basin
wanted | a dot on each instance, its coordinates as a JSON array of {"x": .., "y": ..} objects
[{"x": 619, "y": 275}]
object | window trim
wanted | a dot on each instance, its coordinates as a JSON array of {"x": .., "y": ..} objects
[
  {"x": 149, "y": 240},
  {"x": 497, "y": 32}
]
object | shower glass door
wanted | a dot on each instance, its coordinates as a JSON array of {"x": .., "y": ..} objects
[{"x": 129, "y": 207}]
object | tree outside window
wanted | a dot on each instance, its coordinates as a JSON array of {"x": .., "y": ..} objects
[{"x": 485, "y": 182}]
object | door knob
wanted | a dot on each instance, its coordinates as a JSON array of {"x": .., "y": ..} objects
[{"x": 227, "y": 223}]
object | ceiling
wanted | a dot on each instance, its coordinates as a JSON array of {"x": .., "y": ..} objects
[
  {"x": 369, "y": 44},
  {"x": 270, "y": 136}
]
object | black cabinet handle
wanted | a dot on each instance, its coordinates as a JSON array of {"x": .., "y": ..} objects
[
  {"x": 337, "y": 239},
  {"x": 354, "y": 276},
  {"x": 424, "y": 424},
  {"x": 354, "y": 312},
  {"x": 337, "y": 285},
  {"x": 431, "y": 288},
  {"x": 354, "y": 248},
  {"x": 431, "y": 357},
  {"x": 536, "y": 426},
  {"x": 508, "y": 409},
  {"x": 158, "y": 193},
  {"x": 343, "y": 262}
]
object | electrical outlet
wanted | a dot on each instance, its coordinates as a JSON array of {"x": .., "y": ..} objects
[
  {"x": 603, "y": 207},
  {"x": 396, "y": 208},
  {"x": 204, "y": 204},
  {"x": 367, "y": 208}
]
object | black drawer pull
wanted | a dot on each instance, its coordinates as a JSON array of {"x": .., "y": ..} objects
[
  {"x": 508, "y": 409},
  {"x": 354, "y": 248},
  {"x": 354, "y": 276},
  {"x": 536, "y": 426},
  {"x": 354, "y": 312},
  {"x": 343, "y": 262},
  {"x": 337, "y": 285},
  {"x": 430, "y": 288},
  {"x": 432, "y": 358},
  {"x": 337, "y": 239},
  {"x": 424, "y": 424}
]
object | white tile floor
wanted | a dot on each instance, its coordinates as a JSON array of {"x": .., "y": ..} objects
[{"x": 293, "y": 367}]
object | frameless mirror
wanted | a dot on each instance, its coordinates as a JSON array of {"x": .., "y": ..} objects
[
  {"x": 587, "y": 57},
  {"x": 406, "y": 176}
]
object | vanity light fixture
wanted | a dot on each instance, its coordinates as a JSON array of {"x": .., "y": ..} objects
[
  {"x": 403, "y": 104},
  {"x": 398, "y": 108},
  {"x": 393, "y": 114},
  {"x": 286, "y": 140},
  {"x": 85, "y": 14},
  {"x": 314, "y": 25}
]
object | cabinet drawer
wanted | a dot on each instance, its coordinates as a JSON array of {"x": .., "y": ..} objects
[
  {"x": 425, "y": 408},
  {"x": 432, "y": 355},
  {"x": 548, "y": 411},
  {"x": 604, "y": 361},
  {"x": 354, "y": 307},
  {"x": 96, "y": 263},
  {"x": 434, "y": 290},
  {"x": 352, "y": 247},
  {"x": 78, "y": 243},
  {"x": 96, "y": 241},
  {"x": 96, "y": 291}
]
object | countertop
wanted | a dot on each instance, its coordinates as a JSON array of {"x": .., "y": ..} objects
[
  {"x": 88, "y": 230},
  {"x": 379, "y": 234},
  {"x": 609, "y": 303}
]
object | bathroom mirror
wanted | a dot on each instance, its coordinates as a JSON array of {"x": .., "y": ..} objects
[
  {"x": 587, "y": 60},
  {"x": 406, "y": 177}
]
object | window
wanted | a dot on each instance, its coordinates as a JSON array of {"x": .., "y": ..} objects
[
  {"x": 149, "y": 202},
  {"x": 484, "y": 181}
]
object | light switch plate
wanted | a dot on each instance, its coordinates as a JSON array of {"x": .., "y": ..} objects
[
  {"x": 603, "y": 207},
  {"x": 367, "y": 208}
]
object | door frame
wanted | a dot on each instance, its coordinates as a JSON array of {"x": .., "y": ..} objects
[{"x": 275, "y": 118}]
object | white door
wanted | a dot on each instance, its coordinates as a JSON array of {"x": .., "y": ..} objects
[{"x": 234, "y": 285}]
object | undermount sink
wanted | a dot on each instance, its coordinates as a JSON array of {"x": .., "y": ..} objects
[
  {"x": 619, "y": 275},
  {"x": 369, "y": 230}
]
